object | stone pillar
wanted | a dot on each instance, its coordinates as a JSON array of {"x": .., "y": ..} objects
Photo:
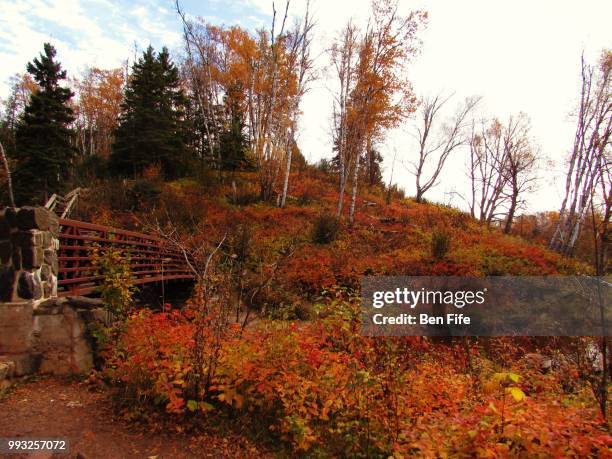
[
  {"x": 28, "y": 275},
  {"x": 28, "y": 254}
]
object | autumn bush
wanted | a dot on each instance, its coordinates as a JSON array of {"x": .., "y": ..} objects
[{"x": 325, "y": 390}]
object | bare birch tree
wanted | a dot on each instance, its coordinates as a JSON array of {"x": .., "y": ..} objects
[
  {"x": 588, "y": 155},
  {"x": 437, "y": 143},
  {"x": 487, "y": 163},
  {"x": 522, "y": 158},
  {"x": 343, "y": 56},
  {"x": 301, "y": 64},
  {"x": 501, "y": 168}
]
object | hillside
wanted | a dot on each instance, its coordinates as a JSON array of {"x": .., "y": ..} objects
[
  {"x": 386, "y": 239},
  {"x": 301, "y": 376}
]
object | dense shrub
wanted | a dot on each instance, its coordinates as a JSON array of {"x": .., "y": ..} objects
[
  {"x": 326, "y": 228},
  {"x": 440, "y": 244},
  {"x": 327, "y": 391},
  {"x": 144, "y": 193}
]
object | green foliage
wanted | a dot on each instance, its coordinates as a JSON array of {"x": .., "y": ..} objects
[
  {"x": 145, "y": 193},
  {"x": 89, "y": 169},
  {"x": 440, "y": 244},
  {"x": 116, "y": 288},
  {"x": 233, "y": 142},
  {"x": 43, "y": 149},
  {"x": 326, "y": 228},
  {"x": 152, "y": 128},
  {"x": 244, "y": 196}
]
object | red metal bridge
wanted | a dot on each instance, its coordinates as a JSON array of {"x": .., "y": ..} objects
[{"x": 150, "y": 259}]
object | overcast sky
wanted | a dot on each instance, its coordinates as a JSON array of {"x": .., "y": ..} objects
[{"x": 519, "y": 56}]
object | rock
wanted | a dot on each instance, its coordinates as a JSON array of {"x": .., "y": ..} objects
[
  {"x": 37, "y": 218},
  {"x": 7, "y": 222},
  {"x": 83, "y": 302},
  {"x": 16, "y": 258},
  {"x": 15, "y": 327},
  {"x": 7, "y": 281},
  {"x": 6, "y": 252},
  {"x": 29, "y": 238},
  {"x": 48, "y": 240},
  {"x": 25, "y": 364},
  {"x": 538, "y": 362},
  {"x": 28, "y": 286},
  {"x": 50, "y": 307},
  {"x": 50, "y": 258},
  {"x": 7, "y": 369},
  {"x": 45, "y": 273},
  {"x": 32, "y": 257}
]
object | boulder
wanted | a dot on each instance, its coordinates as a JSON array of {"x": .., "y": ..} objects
[{"x": 37, "y": 218}]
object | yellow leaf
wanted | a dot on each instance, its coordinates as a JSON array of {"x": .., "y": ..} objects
[{"x": 517, "y": 394}]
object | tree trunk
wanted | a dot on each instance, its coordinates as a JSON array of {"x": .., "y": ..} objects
[
  {"x": 510, "y": 216},
  {"x": 354, "y": 191},
  {"x": 287, "y": 171},
  {"x": 419, "y": 195},
  {"x": 9, "y": 181}
]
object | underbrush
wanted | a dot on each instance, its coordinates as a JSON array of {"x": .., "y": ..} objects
[{"x": 326, "y": 391}]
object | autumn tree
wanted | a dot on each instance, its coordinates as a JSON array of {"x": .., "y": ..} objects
[
  {"x": 43, "y": 149},
  {"x": 486, "y": 164},
  {"x": 21, "y": 88},
  {"x": 501, "y": 166},
  {"x": 152, "y": 125},
  {"x": 438, "y": 139},
  {"x": 343, "y": 54},
  {"x": 300, "y": 64},
  {"x": 588, "y": 162},
  {"x": 7, "y": 176},
  {"x": 100, "y": 94},
  {"x": 522, "y": 157},
  {"x": 272, "y": 68},
  {"x": 379, "y": 94},
  {"x": 203, "y": 69}
]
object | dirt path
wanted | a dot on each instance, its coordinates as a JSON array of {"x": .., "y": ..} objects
[{"x": 56, "y": 408}]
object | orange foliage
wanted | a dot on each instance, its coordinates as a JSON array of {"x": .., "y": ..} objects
[{"x": 326, "y": 390}]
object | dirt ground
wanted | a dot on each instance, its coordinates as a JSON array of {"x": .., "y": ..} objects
[{"x": 56, "y": 408}]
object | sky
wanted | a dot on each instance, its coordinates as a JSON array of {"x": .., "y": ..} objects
[{"x": 518, "y": 56}]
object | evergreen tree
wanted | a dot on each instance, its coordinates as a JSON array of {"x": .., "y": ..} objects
[
  {"x": 372, "y": 160},
  {"x": 43, "y": 150},
  {"x": 234, "y": 143},
  {"x": 152, "y": 129}
]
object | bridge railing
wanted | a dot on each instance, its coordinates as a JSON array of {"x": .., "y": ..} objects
[{"x": 150, "y": 260}]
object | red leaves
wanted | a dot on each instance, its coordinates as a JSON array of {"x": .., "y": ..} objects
[{"x": 323, "y": 385}]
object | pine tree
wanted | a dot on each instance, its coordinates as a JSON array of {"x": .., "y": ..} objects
[
  {"x": 152, "y": 129},
  {"x": 233, "y": 140},
  {"x": 43, "y": 149}
]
